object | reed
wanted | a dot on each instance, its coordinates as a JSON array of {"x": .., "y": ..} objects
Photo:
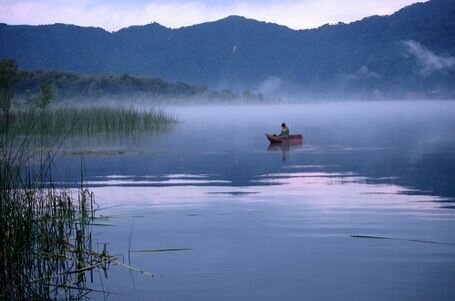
[
  {"x": 46, "y": 246},
  {"x": 90, "y": 120},
  {"x": 46, "y": 239}
]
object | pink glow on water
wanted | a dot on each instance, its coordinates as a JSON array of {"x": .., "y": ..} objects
[{"x": 340, "y": 191}]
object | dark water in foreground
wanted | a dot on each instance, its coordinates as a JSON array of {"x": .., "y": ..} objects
[{"x": 266, "y": 223}]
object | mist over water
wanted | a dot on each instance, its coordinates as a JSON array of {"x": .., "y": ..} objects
[
  {"x": 293, "y": 222},
  {"x": 375, "y": 139}
]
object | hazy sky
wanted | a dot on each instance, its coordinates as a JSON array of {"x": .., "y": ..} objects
[{"x": 116, "y": 14}]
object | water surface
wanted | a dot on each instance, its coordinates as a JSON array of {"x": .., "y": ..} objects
[{"x": 361, "y": 211}]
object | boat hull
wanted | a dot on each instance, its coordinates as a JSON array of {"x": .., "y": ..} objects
[{"x": 291, "y": 139}]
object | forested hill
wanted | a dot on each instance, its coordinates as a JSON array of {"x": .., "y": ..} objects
[
  {"x": 81, "y": 87},
  {"x": 408, "y": 54}
]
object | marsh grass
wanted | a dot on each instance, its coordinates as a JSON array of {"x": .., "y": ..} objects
[
  {"x": 47, "y": 250},
  {"x": 46, "y": 240},
  {"x": 90, "y": 120},
  {"x": 47, "y": 246}
]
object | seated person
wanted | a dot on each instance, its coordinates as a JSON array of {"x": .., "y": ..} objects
[{"x": 284, "y": 130}]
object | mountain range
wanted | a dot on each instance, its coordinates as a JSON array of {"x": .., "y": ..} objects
[{"x": 409, "y": 54}]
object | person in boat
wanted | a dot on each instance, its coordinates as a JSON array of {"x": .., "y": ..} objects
[{"x": 284, "y": 130}]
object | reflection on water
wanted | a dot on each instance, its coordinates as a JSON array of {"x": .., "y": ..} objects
[
  {"x": 286, "y": 222},
  {"x": 337, "y": 190},
  {"x": 298, "y": 182},
  {"x": 284, "y": 148},
  {"x": 411, "y": 141},
  {"x": 300, "y": 228}
]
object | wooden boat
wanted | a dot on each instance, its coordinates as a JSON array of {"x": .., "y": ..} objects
[{"x": 292, "y": 139}]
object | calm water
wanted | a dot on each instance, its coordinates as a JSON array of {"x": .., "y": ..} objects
[{"x": 266, "y": 223}]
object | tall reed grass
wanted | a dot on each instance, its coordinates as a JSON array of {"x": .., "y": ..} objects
[
  {"x": 46, "y": 240},
  {"x": 90, "y": 120}
]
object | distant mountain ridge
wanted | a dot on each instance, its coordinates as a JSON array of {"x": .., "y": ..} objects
[{"x": 408, "y": 54}]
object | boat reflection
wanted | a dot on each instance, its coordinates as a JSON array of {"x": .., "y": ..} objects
[{"x": 285, "y": 148}]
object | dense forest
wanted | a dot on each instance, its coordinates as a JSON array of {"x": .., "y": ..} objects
[
  {"x": 67, "y": 86},
  {"x": 410, "y": 54}
]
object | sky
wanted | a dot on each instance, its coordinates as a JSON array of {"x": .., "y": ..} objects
[{"x": 113, "y": 15}]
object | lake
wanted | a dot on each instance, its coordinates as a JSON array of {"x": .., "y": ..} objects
[{"x": 362, "y": 210}]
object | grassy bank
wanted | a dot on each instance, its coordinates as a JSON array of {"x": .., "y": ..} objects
[{"x": 87, "y": 121}]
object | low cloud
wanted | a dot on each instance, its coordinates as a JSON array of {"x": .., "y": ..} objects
[
  {"x": 363, "y": 73},
  {"x": 270, "y": 86},
  {"x": 428, "y": 61}
]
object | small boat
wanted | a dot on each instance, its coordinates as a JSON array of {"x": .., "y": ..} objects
[{"x": 292, "y": 139}]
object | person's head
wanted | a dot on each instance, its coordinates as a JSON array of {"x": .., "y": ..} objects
[{"x": 283, "y": 125}]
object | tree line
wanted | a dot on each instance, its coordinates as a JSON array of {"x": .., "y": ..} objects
[{"x": 69, "y": 85}]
